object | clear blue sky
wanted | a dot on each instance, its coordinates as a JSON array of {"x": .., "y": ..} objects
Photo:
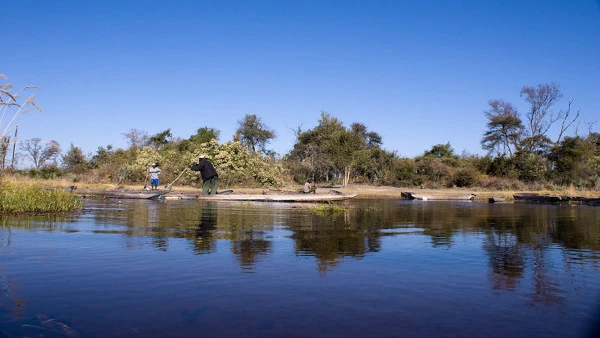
[{"x": 419, "y": 73}]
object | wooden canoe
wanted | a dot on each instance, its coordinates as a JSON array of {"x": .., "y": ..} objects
[
  {"x": 468, "y": 197},
  {"x": 262, "y": 197},
  {"x": 124, "y": 194},
  {"x": 555, "y": 199}
]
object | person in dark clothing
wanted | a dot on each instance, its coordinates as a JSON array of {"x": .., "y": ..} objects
[{"x": 210, "y": 179}]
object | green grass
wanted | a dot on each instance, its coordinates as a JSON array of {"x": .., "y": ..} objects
[
  {"x": 326, "y": 209},
  {"x": 17, "y": 199}
]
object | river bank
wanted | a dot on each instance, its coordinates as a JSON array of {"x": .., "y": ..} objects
[{"x": 361, "y": 190}]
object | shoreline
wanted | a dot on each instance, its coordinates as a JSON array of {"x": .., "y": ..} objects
[
  {"x": 361, "y": 190},
  {"x": 373, "y": 192}
]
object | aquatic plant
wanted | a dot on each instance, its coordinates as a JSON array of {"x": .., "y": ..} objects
[
  {"x": 326, "y": 209},
  {"x": 16, "y": 199}
]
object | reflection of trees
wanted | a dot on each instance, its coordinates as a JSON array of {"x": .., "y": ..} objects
[
  {"x": 246, "y": 229},
  {"x": 506, "y": 259},
  {"x": 330, "y": 239},
  {"x": 545, "y": 291},
  {"x": 249, "y": 247}
]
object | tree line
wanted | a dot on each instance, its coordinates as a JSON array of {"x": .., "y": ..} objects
[{"x": 520, "y": 155}]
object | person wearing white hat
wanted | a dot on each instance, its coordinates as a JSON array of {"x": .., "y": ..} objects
[
  {"x": 154, "y": 172},
  {"x": 210, "y": 179}
]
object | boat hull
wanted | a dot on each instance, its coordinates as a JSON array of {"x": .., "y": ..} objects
[
  {"x": 413, "y": 196},
  {"x": 262, "y": 197},
  {"x": 121, "y": 194}
]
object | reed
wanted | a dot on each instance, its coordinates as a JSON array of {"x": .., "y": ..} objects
[
  {"x": 326, "y": 209},
  {"x": 29, "y": 199}
]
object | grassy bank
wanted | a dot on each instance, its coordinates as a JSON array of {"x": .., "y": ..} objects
[{"x": 34, "y": 199}]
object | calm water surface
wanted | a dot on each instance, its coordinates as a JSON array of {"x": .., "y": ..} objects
[{"x": 382, "y": 268}]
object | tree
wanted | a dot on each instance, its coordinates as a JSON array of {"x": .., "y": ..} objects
[
  {"x": 440, "y": 151},
  {"x": 504, "y": 128},
  {"x": 158, "y": 140},
  {"x": 136, "y": 138},
  {"x": 253, "y": 133},
  {"x": 40, "y": 153},
  {"x": 75, "y": 161},
  {"x": 332, "y": 151},
  {"x": 204, "y": 135},
  {"x": 539, "y": 117}
]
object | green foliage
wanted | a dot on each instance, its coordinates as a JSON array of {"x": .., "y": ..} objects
[
  {"x": 26, "y": 199},
  {"x": 465, "y": 177},
  {"x": 434, "y": 170},
  {"x": 47, "y": 173},
  {"x": 530, "y": 167},
  {"x": 329, "y": 209},
  {"x": 330, "y": 152},
  {"x": 74, "y": 161},
  {"x": 160, "y": 139},
  {"x": 504, "y": 128},
  {"x": 440, "y": 151},
  {"x": 405, "y": 172},
  {"x": 575, "y": 162},
  {"x": 253, "y": 133}
]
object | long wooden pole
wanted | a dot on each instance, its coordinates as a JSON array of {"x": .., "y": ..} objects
[{"x": 12, "y": 164}]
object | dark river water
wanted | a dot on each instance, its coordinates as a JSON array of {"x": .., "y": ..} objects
[{"x": 381, "y": 268}]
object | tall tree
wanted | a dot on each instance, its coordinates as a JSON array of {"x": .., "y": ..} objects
[
  {"x": 539, "y": 117},
  {"x": 254, "y": 133},
  {"x": 504, "y": 128},
  {"x": 40, "y": 153}
]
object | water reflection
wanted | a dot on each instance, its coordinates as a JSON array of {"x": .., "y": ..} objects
[
  {"x": 204, "y": 242},
  {"x": 437, "y": 258}
]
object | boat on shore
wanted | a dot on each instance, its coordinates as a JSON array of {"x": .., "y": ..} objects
[
  {"x": 413, "y": 196},
  {"x": 555, "y": 199},
  {"x": 496, "y": 200},
  {"x": 123, "y": 194}
]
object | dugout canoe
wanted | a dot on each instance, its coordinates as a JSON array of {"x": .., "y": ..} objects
[
  {"x": 123, "y": 194},
  {"x": 296, "y": 198},
  {"x": 414, "y": 196},
  {"x": 555, "y": 199}
]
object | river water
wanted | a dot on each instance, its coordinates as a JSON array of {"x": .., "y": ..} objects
[{"x": 380, "y": 268}]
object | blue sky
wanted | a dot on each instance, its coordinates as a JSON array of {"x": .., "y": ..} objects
[{"x": 419, "y": 73}]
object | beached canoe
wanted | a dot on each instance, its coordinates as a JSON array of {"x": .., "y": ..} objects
[
  {"x": 124, "y": 194},
  {"x": 262, "y": 197},
  {"x": 414, "y": 196},
  {"x": 555, "y": 199}
]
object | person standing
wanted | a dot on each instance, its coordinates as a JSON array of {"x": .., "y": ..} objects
[
  {"x": 210, "y": 179},
  {"x": 154, "y": 172}
]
